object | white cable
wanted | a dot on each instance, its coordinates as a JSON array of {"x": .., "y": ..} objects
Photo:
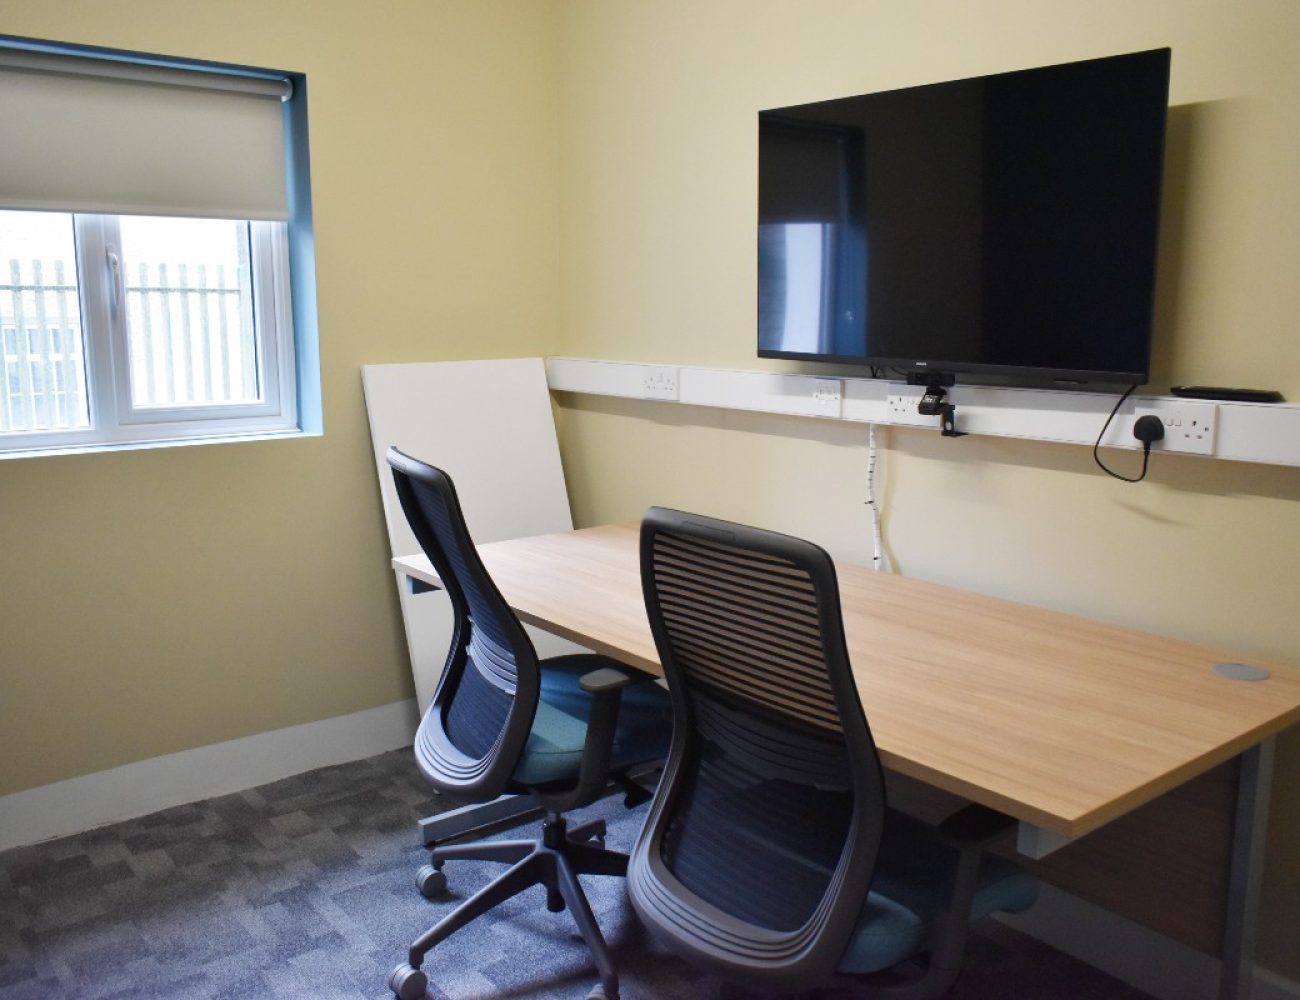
[{"x": 878, "y": 561}]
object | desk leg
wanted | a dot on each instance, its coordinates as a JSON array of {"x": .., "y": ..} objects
[
  {"x": 1254, "y": 784},
  {"x": 458, "y": 822}
]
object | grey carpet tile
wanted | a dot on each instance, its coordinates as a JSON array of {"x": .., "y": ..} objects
[{"x": 303, "y": 889}]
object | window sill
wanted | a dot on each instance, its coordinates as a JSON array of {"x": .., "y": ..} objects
[{"x": 112, "y": 446}]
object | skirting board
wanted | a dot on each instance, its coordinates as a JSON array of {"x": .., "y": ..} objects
[
  {"x": 120, "y": 793},
  {"x": 1141, "y": 957}
]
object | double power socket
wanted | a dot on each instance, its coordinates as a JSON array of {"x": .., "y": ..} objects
[{"x": 1190, "y": 425}]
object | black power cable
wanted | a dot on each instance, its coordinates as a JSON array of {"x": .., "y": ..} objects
[{"x": 1146, "y": 429}]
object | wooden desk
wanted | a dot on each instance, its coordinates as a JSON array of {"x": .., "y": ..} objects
[{"x": 1061, "y": 722}]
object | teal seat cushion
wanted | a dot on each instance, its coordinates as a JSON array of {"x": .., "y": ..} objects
[
  {"x": 554, "y": 747},
  {"x": 909, "y": 890}
]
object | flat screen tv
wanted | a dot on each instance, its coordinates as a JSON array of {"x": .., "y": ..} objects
[{"x": 1004, "y": 225}]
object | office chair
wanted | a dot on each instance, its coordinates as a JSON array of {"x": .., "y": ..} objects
[
  {"x": 503, "y": 721},
  {"x": 769, "y": 857}
]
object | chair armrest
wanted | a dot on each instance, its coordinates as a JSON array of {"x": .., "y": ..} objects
[
  {"x": 605, "y": 685},
  {"x": 973, "y": 826},
  {"x": 969, "y": 829},
  {"x": 606, "y": 688},
  {"x": 604, "y": 679}
]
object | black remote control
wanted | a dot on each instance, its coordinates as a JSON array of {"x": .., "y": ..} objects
[{"x": 1233, "y": 395}]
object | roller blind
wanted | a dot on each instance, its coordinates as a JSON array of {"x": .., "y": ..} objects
[{"x": 85, "y": 134}]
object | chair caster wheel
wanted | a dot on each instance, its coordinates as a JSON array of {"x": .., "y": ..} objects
[
  {"x": 408, "y": 983},
  {"x": 431, "y": 882}
]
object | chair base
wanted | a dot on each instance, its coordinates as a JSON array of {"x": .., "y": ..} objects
[{"x": 555, "y": 860}]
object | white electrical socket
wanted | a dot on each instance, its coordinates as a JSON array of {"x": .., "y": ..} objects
[
  {"x": 828, "y": 395},
  {"x": 902, "y": 410},
  {"x": 658, "y": 382},
  {"x": 1189, "y": 425}
]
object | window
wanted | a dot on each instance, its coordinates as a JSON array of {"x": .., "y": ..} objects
[
  {"x": 154, "y": 249},
  {"x": 188, "y": 326}
]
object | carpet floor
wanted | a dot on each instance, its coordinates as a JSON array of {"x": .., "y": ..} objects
[{"x": 304, "y": 889}]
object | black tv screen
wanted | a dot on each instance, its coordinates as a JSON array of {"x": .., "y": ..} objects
[{"x": 1003, "y": 225}]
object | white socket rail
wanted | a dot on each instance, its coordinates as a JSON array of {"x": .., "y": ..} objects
[{"x": 1240, "y": 432}]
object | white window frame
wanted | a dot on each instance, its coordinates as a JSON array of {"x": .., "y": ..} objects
[{"x": 114, "y": 420}]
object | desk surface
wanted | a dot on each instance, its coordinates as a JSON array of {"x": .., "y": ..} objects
[{"x": 1057, "y": 720}]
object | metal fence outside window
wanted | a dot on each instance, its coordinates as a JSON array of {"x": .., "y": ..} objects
[
  {"x": 190, "y": 338},
  {"x": 44, "y": 384}
]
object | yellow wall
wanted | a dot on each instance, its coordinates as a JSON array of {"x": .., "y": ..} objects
[
  {"x": 159, "y": 600},
  {"x": 659, "y": 188}
]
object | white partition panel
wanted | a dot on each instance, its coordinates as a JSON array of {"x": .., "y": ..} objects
[{"x": 488, "y": 424}]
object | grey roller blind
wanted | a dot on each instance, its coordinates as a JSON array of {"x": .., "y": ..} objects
[{"x": 86, "y": 134}]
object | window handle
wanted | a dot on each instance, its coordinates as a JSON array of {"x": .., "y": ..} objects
[{"x": 115, "y": 277}]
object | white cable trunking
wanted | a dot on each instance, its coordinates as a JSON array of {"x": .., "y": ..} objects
[{"x": 1237, "y": 432}]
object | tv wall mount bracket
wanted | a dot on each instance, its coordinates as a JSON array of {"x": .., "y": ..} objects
[{"x": 934, "y": 403}]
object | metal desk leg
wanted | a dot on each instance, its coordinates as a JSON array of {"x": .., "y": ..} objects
[
  {"x": 1254, "y": 783},
  {"x": 458, "y": 822}
]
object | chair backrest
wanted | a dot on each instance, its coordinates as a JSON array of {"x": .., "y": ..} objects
[
  {"x": 475, "y": 729},
  {"x": 759, "y": 848}
]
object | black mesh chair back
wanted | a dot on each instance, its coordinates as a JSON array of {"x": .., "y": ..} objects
[
  {"x": 475, "y": 729},
  {"x": 503, "y": 722},
  {"x": 760, "y": 846}
]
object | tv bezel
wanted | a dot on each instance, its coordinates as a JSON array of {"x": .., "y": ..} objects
[{"x": 1026, "y": 374}]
